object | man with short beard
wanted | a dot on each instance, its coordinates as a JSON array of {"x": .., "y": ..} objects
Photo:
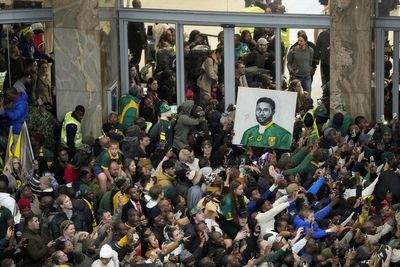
[
  {"x": 216, "y": 241},
  {"x": 158, "y": 226},
  {"x": 134, "y": 203},
  {"x": 266, "y": 133},
  {"x": 46, "y": 215},
  {"x": 36, "y": 250}
]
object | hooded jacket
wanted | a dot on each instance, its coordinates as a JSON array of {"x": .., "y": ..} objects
[
  {"x": 17, "y": 115},
  {"x": 7, "y": 201},
  {"x": 183, "y": 125},
  {"x": 164, "y": 179}
]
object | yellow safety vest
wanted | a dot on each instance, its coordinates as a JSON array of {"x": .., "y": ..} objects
[
  {"x": 314, "y": 134},
  {"x": 68, "y": 119},
  {"x": 251, "y": 9},
  {"x": 149, "y": 124},
  {"x": 285, "y": 38}
]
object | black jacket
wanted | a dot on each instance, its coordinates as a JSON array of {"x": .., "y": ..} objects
[
  {"x": 80, "y": 222},
  {"x": 128, "y": 206},
  {"x": 137, "y": 38}
]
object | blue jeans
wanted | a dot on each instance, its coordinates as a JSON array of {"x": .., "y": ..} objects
[{"x": 305, "y": 82}]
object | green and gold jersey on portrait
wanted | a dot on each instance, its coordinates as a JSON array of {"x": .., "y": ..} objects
[{"x": 274, "y": 136}]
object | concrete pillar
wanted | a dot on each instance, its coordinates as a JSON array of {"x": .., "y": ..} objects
[
  {"x": 85, "y": 60},
  {"x": 351, "y": 57}
]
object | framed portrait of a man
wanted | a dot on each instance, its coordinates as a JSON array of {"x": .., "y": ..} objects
[{"x": 264, "y": 118}]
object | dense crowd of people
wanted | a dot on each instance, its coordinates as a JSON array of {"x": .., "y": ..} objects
[{"x": 169, "y": 188}]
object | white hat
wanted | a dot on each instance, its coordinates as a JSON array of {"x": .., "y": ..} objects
[
  {"x": 262, "y": 41},
  {"x": 37, "y": 27},
  {"x": 106, "y": 251}
]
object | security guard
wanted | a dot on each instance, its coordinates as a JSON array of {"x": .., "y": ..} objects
[{"x": 71, "y": 131}]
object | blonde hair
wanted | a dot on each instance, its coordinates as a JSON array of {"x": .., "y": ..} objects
[
  {"x": 184, "y": 154},
  {"x": 54, "y": 258},
  {"x": 46, "y": 180},
  {"x": 9, "y": 165}
]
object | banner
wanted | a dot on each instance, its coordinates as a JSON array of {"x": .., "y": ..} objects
[
  {"x": 264, "y": 118},
  {"x": 22, "y": 149}
]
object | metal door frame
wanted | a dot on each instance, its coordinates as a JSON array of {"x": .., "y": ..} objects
[
  {"x": 221, "y": 19},
  {"x": 383, "y": 24}
]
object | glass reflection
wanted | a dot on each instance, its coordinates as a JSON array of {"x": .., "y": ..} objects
[
  {"x": 388, "y": 8},
  {"x": 204, "y": 64},
  {"x": 27, "y": 68},
  {"x": 23, "y": 4},
  {"x": 250, "y": 6}
]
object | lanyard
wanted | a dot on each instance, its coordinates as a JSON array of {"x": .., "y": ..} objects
[{"x": 94, "y": 223}]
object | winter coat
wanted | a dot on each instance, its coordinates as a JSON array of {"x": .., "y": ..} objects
[
  {"x": 183, "y": 125},
  {"x": 36, "y": 251},
  {"x": 209, "y": 77},
  {"x": 18, "y": 114},
  {"x": 80, "y": 222}
]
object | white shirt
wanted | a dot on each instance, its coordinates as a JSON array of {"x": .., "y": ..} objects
[
  {"x": 194, "y": 166},
  {"x": 266, "y": 220},
  {"x": 7, "y": 201}
]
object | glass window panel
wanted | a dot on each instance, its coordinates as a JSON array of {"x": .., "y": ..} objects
[
  {"x": 258, "y": 57},
  {"x": 388, "y": 64},
  {"x": 17, "y": 43},
  {"x": 252, "y": 6},
  {"x": 204, "y": 46},
  {"x": 388, "y": 8},
  {"x": 262, "y": 72},
  {"x": 152, "y": 53},
  {"x": 109, "y": 53},
  {"x": 17, "y": 4},
  {"x": 316, "y": 80},
  {"x": 32, "y": 73},
  {"x": 106, "y": 3}
]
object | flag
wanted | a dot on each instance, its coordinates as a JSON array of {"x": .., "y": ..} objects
[{"x": 22, "y": 149}]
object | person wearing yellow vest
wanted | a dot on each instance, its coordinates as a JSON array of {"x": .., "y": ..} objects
[
  {"x": 312, "y": 118},
  {"x": 257, "y": 7},
  {"x": 129, "y": 107},
  {"x": 71, "y": 131},
  {"x": 285, "y": 39},
  {"x": 309, "y": 122}
]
